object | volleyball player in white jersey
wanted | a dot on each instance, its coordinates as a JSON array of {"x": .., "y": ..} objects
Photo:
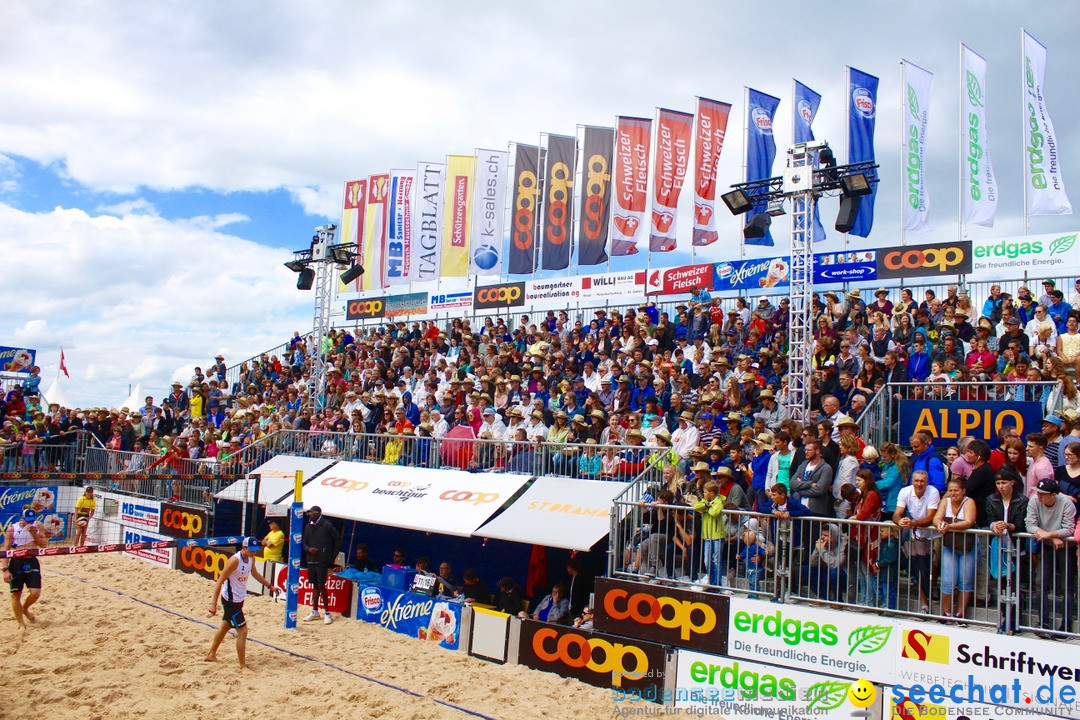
[
  {"x": 231, "y": 587},
  {"x": 24, "y": 572}
]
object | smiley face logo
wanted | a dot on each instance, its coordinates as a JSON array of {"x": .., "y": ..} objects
[{"x": 862, "y": 693}]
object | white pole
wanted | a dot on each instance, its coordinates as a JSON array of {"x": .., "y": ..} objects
[
  {"x": 611, "y": 194},
  {"x": 904, "y": 107},
  {"x": 847, "y": 135},
  {"x": 960, "y": 229},
  {"x": 745, "y": 147}
]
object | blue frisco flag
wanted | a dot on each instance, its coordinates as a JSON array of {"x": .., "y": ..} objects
[
  {"x": 862, "y": 112},
  {"x": 760, "y": 147},
  {"x": 805, "y": 107}
]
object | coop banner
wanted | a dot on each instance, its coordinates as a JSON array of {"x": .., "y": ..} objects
[
  {"x": 558, "y": 203},
  {"x": 523, "y": 245},
  {"x": 596, "y": 153}
]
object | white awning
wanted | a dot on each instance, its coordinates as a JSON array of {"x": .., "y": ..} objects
[
  {"x": 448, "y": 502},
  {"x": 558, "y": 512},
  {"x": 278, "y": 478}
]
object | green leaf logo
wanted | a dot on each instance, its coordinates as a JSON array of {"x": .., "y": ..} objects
[
  {"x": 975, "y": 93},
  {"x": 1062, "y": 244},
  {"x": 827, "y": 695},
  {"x": 868, "y": 639},
  {"x": 913, "y": 101}
]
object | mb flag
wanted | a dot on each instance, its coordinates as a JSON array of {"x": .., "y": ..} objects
[
  {"x": 916, "y": 88},
  {"x": 559, "y": 201},
  {"x": 632, "y": 139},
  {"x": 1044, "y": 181},
  {"x": 862, "y": 114},
  {"x": 523, "y": 246},
  {"x": 709, "y": 130},
  {"x": 595, "y": 196},
  {"x": 485, "y": 255},
  {"x": 672, "y": 158},
  {"x": 804, "y": 109},
  {"x": 352, "y": 227},
  {"x": 760, "y": 147},
  {"x": 980, "y": 190},
  {"x": 399, "y": 228}
]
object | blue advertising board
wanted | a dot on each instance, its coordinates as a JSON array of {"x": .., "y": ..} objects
[
  {"x": 417, "y": 616},
  {"x": 845, "y": 267},
  {"x": 14, "y": 499},
  {"x": 55, "y": 524},
  {"x": 17, "y": 360},
  {"x": 949, "y": 420},
  {"x": 757, "y": 274}
]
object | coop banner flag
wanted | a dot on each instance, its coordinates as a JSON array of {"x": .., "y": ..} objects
[
  {"x": 1045, "y": 184},
  {"x": 917, "y": 87},
  {"x": 596, "y": 154},
  {"x": 378, "y": 202},
  {"x": 980, "y": 192},
  {"x": 709, "y": 129},
  {"x": 485, "y": 255},
  {"x": 523, "y": 245},
  {"x": 399, "y": 228},
  {"x": 862, "y": 116},
  {"x": 427, "y": 221},
  {"x": 760, "y": 147},
  {"x": 632, "y": 141},
  {"x": 559, "y": 201},
  {"x": 457, "y": 215},
  {"x": 352, "y": 226},
  {"x": 804, "y": 109},
  {"x": 672, "y": 158}
]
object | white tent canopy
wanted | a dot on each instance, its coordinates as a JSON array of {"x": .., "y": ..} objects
[
  {"x": 135, "y": 400},
  {"x": 448, "y": 502},
  {"x": 558, "y": 512},
  {"x": 55, "y": 394},
  {"x": 278, "y": 477}
]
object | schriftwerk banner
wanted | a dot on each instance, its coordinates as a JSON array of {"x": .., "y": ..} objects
[
  {"x": 485, "y": 255},
  {"x": 862, "y": 115},
  {"x": 917, "y": 86},
  {"x": 558, "y": 202},
  {"x": 1045, "y": 184},
  {"x": 460, "y": 171},
  {"x": 596, "y": 150},
  {"x": 521, "y": 257},
  {"x": 980, "y": 187},
  {"x": 378, "y": 201},
  {"x": 399, "y": 228},
  {"x": 672, "y": 158},
  {"x": 352, "y": 228},
  {"x": 709, "y": 129},
  {"x": 760, "y": 147},
  {"x": 632, "y": 140},
  {"x": 804, "y": 107},
  {"x": 427, "y": 221}
]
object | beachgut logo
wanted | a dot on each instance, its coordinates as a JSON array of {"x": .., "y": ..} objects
[
  {"x": 1063, "y": 244},
  {"x": 402, "y": 609}
]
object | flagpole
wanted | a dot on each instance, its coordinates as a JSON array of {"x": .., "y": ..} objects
[
  {"x": 539, "y": 224},
  {"x": 649, "y": 200},
  {"x": 579, "y": 196},
  {"x": 847, "y": 135},
  {"x": 1023, "y": 142},
  {"x": 745, "y": 148},
  {"x": 961, "y": 230},
  {"x": 611, "y": 200},
  {"x": 904, "y": 107}
]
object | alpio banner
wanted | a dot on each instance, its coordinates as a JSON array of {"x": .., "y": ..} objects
[
  {"x": 710, "y": 126},
  {"x": 917, "y": 88},
  {"x": 378, "y": 204},
  {"x": 661, "y": 614},
  {"x": 596, "y": 154},
  {"x": 1042, "y": 171},
  {"x": 1053, "y": 255},
  {"x": 399, "y": 228},
  {"x": 485, "y": 255},
  {"x": 460, "y": 170},
  {"x": 352, "y": 227},
  {"x": 631, "y": 181},
  {"x": 980, "y": 189},
  {"x": 427, "y": 221},
  {"x": 523, "y": 245},
  {"x": 558, "y": 216},
  {"x": 949, "y": 420},
  {"x": 671, "y": 159}
]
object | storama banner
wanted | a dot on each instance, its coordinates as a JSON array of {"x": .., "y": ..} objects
[
  {"x": 458, "y": 212},
  {"x": 1045, "y": 183},
  {"x": 709, "y": 129},
  {"x": 523, "y": 245},
  {"x": 596, "y": 151},
  {"x": 980, "y": 187},
  {"x": 352, "y": 228},
  {"x": 427, "y": 221},
  {"x": 760, "y": 148},
  {"x": 1056, "y": 255},
  {"x": 378, "y": 202},
  {"x": 672, "y": 158},
  {"x": 862, "y": 117},
  {"x": 632, "y": 140},
  {"x": 399, "y": 228},
  {"x": 558, "y": 219},
  {"x": 485, "y": 255},
  {"x": 917, "y": 88},
  {"x": 949, "y": 420}
]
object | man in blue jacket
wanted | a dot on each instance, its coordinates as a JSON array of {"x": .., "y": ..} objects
[
  {"x": 918, "y": 364},
  {"x": 926, "y": 458}
]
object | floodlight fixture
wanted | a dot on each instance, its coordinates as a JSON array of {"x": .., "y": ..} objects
[{"x": 737, "y": 202}]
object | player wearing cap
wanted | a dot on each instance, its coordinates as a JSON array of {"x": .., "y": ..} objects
[
  {"x": 25, "y": 571},
  {"x": 231, "y": 587}
]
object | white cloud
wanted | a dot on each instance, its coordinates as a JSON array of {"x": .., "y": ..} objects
[{"x": 138, "y": 206}]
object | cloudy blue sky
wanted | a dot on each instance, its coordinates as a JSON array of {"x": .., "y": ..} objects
[{"x": 158, "y": 161}]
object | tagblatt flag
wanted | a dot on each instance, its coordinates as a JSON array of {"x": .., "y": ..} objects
[
  {"x": 760, "y": 147},
  {"x": 427, "y": 221},
  {"x": 596, "y": 153},
  {"x": 672, "y": 158},
  {"x": 558, "y": 203},
  {"x": 457, "y": 215},
  {"x": 399, "y": 228},
  {"x": 862, "y": 116},
  {"x": 804, "y": 109},
  {"x": 1042, "y": 171},
  {"x": 485, "y": 255},
  {"x": 521, "y": 258},
  {"x": 916, "y": 87},
  {"x": 709, "y": 129},
  {"x": 632, "y": 140},
  {"x": 378, "y": 205},
  {"x": 352, "y": 227},
  {"x": 980, "y": 187}
]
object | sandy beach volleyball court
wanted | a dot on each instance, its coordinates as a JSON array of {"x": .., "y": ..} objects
[{"x": 94, "y": 655}]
